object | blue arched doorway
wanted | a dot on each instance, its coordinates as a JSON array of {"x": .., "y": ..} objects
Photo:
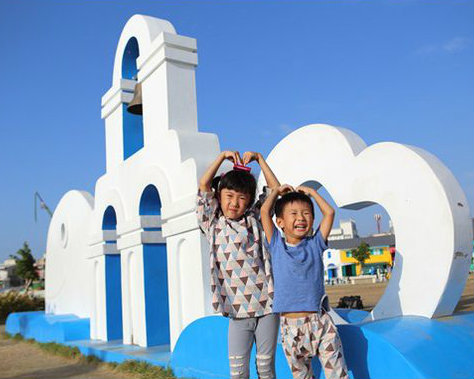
[
  {"x": 113, "y": 280},
  {"x": 332, "y": 271},
  {"x": 155, "y": 267}
]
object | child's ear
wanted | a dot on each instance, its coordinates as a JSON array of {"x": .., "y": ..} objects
[{"x": 279, "y": 222}]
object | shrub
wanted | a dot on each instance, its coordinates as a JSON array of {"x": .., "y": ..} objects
[
  {"x": 145, "y": 370},
  {"x": 11, "y": 302}
]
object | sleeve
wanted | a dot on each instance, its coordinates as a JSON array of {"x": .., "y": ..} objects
[
  {"x": 276, "y": 236},
  {"x": 319, "y": 242},
  {"x": 255, "y": 209},
  {"x": 206, "y": 209}
]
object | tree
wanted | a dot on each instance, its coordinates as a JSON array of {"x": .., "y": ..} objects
[
  {"x": 25, "y": 268},
  {"x": 362, "y": 253}
]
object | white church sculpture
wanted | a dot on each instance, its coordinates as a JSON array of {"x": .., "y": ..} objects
[{"x": 132, "y": 258}]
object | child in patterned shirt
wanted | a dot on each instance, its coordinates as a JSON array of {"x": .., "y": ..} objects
[{"x": 241, "y": 278}]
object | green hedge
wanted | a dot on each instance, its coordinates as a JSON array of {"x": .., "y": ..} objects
[{"x": 11, "y": 302}]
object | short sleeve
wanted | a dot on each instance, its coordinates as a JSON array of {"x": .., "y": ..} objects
[
  {"x": 255, "y": 208},
  {"x": 206, "y": 209},
  {"x": 276, "y": 236},
  {"x": 319, "y": 242}
]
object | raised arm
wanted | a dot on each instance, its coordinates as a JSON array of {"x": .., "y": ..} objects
[
  {"x": 270, "y": 177},
  {"x": 324, "y": 207},
  {"x": 266, "y": 210},
  {"x": 206, "y": 180}
]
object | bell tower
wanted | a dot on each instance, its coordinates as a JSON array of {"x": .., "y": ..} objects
[{"x": 164, "y": 64}]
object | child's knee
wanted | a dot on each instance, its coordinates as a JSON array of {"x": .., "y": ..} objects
[
  {"x": 265, "y": 366},
  {"x": 238, "y": 367}
]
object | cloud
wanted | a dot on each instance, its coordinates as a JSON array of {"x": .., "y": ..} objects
[{"x": 454, "y": 45}]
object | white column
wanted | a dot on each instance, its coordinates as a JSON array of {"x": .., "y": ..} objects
[
  {"x": 166, "y": 71},
  {"x": 112, "y": 113}
]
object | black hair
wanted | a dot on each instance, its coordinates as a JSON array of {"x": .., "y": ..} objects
[
  {"x": 289, "y": 198},
  {"x": 237, "y": 180}
]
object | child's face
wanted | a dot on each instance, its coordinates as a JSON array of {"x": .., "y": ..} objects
[
  {"x": 233, "y": 203},
  {"x": 296, "y": 220}
]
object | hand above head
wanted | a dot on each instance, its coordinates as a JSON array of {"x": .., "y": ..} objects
[
  {"x": 306, "y": 190},
  {"x": 285, "y": 188},
  {"x": 250, "y": 156},
  {"x": 233, "y": 156},
  {"x": 205, "y": 183},
  {"x": 270, "y": 178}
]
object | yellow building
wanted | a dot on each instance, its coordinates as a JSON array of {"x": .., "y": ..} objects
[
  {"x": 380, "y": 258},
  {"x": 382, "y": 252}
]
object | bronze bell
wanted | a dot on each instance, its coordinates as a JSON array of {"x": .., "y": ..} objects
[{"x": 135, "y": 106}]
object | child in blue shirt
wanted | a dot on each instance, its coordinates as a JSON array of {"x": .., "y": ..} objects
[{"x": 307, "y": 329}]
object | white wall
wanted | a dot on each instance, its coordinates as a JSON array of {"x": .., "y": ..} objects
[{"x": 68, "y": 272}]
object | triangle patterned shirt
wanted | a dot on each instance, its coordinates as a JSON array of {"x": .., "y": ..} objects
[{"x": 241, "y": 277}]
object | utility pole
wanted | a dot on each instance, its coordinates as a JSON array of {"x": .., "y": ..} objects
[
  {"x": 42, "y": 205},
  {"x": 377, "y": 218}
]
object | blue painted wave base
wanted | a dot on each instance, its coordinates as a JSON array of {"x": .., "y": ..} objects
[{"x": 401, "y": 347}]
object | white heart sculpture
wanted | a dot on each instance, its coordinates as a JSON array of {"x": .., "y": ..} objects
[{"x": 428, "y": 208}]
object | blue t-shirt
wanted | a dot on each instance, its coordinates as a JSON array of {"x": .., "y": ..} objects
[{"x": 298, "y": 273}]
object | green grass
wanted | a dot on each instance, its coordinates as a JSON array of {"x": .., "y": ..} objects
[
  {"x": 138, "y": 369},
  {"x": 145, "y": 370}
]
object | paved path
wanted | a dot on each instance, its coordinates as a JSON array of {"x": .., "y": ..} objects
[
  {"x": 22, "y": 360},
  {"x": 371, "y": 293}
]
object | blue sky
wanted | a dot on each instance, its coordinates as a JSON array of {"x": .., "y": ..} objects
[{"x": 389, "y": 70}]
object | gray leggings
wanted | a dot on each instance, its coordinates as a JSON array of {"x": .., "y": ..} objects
[{"x": 242, "y": 334}]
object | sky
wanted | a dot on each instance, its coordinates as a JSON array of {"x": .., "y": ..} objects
[{"x": 399, "y": 71}]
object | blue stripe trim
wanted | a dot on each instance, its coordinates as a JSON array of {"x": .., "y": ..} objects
[{"x": 156, "y": 294}]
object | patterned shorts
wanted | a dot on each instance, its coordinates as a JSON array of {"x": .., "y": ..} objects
[{"x": 314, "y": 335}]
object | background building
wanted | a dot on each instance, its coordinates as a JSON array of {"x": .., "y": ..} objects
[
  {"x": 380, "y": 260},
  {"x": 8, "y": 277},
  {"x": 347, "y": 229},
  {"x": 339, "y": 262}
]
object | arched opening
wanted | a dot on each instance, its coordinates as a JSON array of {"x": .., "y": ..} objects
[
  {"x": 155, "y": 268},
  {"x": 150, "y": 203},
  {"x": 109, "y": 222},
  {"x": 129, "y": 59},
  {"x": 113, "y": 279},
  {"x": 132, "y": 123},
  {"x": 331, "y": 269}
]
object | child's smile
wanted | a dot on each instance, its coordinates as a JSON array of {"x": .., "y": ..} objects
[
  {"x": 296, "y": 221},
  {"x": 301, "y": 227}
]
